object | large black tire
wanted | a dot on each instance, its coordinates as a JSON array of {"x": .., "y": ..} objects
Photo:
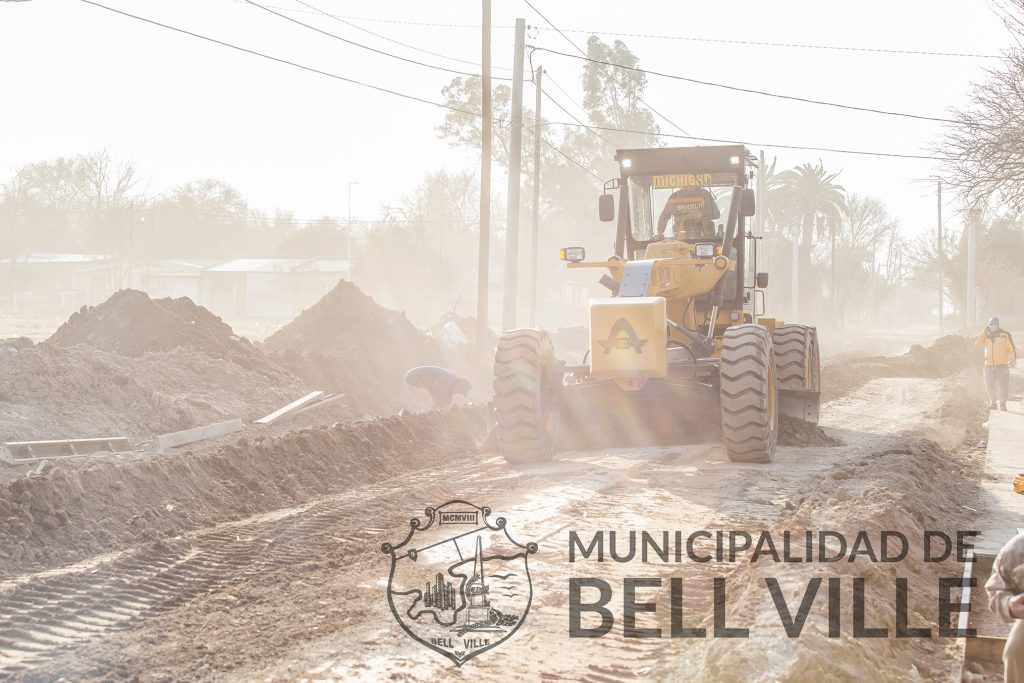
[
  {"x": 749, "y": 395},
  {"x": 526, "y": 386},
  {"x": 798, "y": 363}
]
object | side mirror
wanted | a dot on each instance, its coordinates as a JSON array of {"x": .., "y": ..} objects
[
  {"x": 606, "y": 207},
  {"x": 761, "y": 280},
  {"x": 747, "y": 203}
]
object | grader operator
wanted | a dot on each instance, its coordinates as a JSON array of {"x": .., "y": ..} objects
[{"x": 682, "y": 345}]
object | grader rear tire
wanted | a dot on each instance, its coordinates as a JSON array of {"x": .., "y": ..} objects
[
  {"x": 749, "y": 396},
  {"x": 798, "y": 363},
  {"x": 526, "y": 388}
]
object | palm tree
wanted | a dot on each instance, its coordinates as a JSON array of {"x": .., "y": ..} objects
[{"x": 811, "y": 192}]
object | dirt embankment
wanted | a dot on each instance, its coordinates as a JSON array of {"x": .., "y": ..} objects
[
  {"x": 948, "y": 356},
  {"x": 135, "y": 367},
  {"x": 131, "y": 324},
  {"x": 910, "y": 488},
  {"x": 106, "y": 503},
  {"x": 347, "y": 343}
]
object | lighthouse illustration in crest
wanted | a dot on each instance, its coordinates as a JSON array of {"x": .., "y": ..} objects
[{"x": 478, "y": 613}]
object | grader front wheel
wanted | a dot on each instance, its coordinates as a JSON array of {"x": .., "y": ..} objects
[
  {"x": 526, "y": 386},
  {"x": 748, "y": 393}
]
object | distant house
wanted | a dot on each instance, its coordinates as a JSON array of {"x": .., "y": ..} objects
[
  {"x": 49, "y": 282},
  {"x": 269, "y": 288},
  {"x": 174, "y": 278}
]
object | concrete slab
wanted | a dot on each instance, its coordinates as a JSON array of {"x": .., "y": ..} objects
[
  {"x": 187, "y": 436},
  {"x": 1004, "y": 458}
]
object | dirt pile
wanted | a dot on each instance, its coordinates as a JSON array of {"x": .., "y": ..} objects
[
  {"x": 908, "y": 487},
  {"x": 794, "y": 432},
  {"x": 80, "y": 508},
  {"x": 131, "y": 324},
  {"x": 51, "y": 392},
  {"x": 948, "y": 356},
  {"x": 347, "y": 343}
]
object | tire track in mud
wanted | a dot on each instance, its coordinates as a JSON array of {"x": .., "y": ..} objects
[
  {"x": 47, "y": 621},
  {"x": 51, "y": 614}
]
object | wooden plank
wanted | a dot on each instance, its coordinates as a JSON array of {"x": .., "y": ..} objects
[
  {"x": 33, "y": 451},
  {"x": 330, "y": 398},
  {"x": 187, "y": 436},
  {"x": 56, "y": 442},
  {"x": 291, "y": 407}
]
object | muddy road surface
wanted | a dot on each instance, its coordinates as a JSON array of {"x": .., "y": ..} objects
[{"x": 300, "y": 593}]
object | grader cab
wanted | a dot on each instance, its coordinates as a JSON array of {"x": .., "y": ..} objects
[{"x": 680, "y": 346}]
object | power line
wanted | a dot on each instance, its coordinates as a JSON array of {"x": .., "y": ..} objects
[
  {"x": 574, "y": 118},
  {"x": 563, "y": 91},
  {"x": 365, "y": 47},
  {"x": 580, "y": 50},
  {"x": 750, "y": 91},
  {"x": 280, "y": 60},
  {"x": 477, "y": 114},
  {"x": 728, "y": 41},
  {"x": 749, "y": 143},
  {"x": 339, "y": 19},
  {"x": 573, "y": 161},
  {"x": 806, "y": 46}
]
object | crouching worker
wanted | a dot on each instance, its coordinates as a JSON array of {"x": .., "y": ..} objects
[
  {"x": 441, "y": 384},
  {"x": 1000, "y": 356},
  {"x": 1006, "y": 598}
]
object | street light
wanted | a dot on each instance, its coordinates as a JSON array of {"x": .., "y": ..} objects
[{"x": 349, "y": 254}]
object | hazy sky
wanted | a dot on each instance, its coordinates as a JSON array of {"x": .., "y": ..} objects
[{"x": 78, "y": 78}]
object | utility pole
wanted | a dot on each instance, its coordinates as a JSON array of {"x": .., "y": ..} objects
[
  {"x": 973, "y": 218},
  {"x": 534, "y": 249},
  {"x": 508, "y": 317},
  {"x": 349, "y": 247},
  {"x": 832, "y": 272},
  {"x": 131, "y": 235},
  {"x": 939, "y": 254},
  {"x": 483, "y": 262},
  {"x": 795, "y": 296},
  {"x": 761, "y": 195}
]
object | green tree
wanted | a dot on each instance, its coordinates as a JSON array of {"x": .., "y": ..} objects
[{"x": 613, "y": 97}]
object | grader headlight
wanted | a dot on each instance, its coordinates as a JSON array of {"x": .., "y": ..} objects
[
  {"x": 704, "y": 250},
  {"x": 572, "y": 254}
]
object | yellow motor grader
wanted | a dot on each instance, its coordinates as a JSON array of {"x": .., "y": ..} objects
[{"x": 681, "y": 346}]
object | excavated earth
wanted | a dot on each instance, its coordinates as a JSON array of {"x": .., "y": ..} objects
[
  {"x": 347, "y": 343},
  {"x": 260, "y": 558},
  {"x": 136, "y": 367}
]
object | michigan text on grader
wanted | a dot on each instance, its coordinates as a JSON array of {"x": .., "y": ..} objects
[{"x": 682, "y": 345}]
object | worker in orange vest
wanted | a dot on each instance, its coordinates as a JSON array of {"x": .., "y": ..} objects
[{"x": 1000, "y": 356}]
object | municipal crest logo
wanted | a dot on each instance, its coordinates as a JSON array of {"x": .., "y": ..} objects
[{"x": 459, "y": 583}]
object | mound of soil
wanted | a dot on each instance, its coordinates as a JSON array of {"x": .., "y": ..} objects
[
  {"x": 104, "y": 503},
  {"x": 948, "y": 356},
  {"x": 794, "y": 432},
  {"x": 51, "y": 392},
  {"x": 131, "y": 324},
  {"x": 906, "y": 486},
  {"x": 346, "y": 343}
]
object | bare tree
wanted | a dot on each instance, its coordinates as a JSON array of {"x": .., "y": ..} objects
[
  {"x": 984, "y": 148},
  {"x": 865, "y": 230}
]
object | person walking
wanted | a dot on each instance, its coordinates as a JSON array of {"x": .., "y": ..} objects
[{"x": 1000, "y": 356}]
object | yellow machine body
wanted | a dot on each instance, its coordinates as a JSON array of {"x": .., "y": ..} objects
[{"x": 628, "y": 339}]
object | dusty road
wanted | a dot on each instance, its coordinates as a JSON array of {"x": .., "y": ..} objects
[{"x": 300, "y": 593}]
